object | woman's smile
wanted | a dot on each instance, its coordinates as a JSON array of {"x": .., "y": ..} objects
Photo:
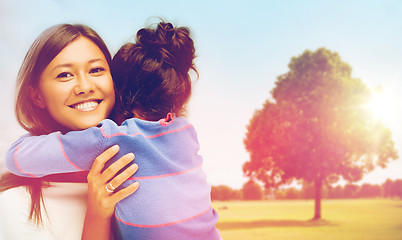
[{"x": 86, "y": 106}]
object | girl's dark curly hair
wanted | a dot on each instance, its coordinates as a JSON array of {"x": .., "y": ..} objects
[{"x": 152, "y": 75}]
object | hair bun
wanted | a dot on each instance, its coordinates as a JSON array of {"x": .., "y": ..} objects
[{"x": 171, "y": 45}]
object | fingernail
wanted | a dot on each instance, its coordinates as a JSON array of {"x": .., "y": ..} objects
[
  {"x": 130, "y": 155},
  {"x": 115, "y": 147},
  {"x": 136, "y": 184}
]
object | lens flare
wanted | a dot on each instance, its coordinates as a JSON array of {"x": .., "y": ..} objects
[{"x": 383, "y": 105}]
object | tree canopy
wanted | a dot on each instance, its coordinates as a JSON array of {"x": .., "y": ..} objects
[{"x": 317, "y": 127}]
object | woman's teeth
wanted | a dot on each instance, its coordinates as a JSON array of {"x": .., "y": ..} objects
[{"x": 86, "y": 106}]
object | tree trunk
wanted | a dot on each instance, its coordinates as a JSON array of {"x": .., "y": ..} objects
[{"x": 317, "y": 206}]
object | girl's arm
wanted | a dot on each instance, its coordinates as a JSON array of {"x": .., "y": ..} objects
[
  {"x": 100, "y": 202},
  {"x": 38, "y": 156}
]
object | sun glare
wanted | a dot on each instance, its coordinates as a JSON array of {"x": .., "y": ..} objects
[{"x": 382, "y": 105}]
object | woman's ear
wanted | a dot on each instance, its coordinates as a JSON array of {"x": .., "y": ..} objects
[{"x": 36, "y": 97}]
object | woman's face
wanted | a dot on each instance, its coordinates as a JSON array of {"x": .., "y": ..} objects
[{"x": 77, "y": 87}]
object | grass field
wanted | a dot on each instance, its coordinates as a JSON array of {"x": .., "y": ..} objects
[{"x": 361, "y": 219}]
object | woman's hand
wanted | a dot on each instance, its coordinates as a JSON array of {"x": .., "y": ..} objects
[{"x": 101, "y": 196}]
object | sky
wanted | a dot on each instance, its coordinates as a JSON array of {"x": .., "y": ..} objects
[{"x": 242, "y": 47}]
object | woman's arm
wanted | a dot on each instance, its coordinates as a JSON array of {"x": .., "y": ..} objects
[{"x": 101, "y": 203}]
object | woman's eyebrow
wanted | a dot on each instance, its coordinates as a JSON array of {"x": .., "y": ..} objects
[
  {"x": 96, "y": 60},
  {"x": 70, "y": 65},
  {"x": 62, "y": 65}
]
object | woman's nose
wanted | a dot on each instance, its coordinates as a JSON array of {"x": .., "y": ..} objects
[{"x": 84, "y": 85}]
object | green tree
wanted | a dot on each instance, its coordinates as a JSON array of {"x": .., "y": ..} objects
[
  {"x": 252, "y": 191},
  {"x": 388, "y": 188},
  {"x": 316, "y": 127},
  {"x": 393, "y": 188},
  {"x": 292, "y": 193},
  {"x": 370, "y": 191},
  {"x": 351, "y": 190},
  {"x": 398, "y": 188},
  {"x": 307, "y": 190},
  {"x": 335, "y": 192},
  {"x": 224, "y": 193}
]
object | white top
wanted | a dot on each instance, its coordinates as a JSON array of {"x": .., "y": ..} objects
[{"x": 63, "y": 219}]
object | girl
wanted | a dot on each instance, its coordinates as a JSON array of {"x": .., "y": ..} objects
[
  {"x": 153, "y": 85},
  {"x": 64, "y": 84}
]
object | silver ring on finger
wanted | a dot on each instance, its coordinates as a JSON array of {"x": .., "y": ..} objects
[{"x": 109, "y": 188}]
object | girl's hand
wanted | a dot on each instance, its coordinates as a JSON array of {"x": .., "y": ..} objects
[{"x": 101, "y": 196}]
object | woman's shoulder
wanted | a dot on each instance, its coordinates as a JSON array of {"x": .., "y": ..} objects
[
  {"x": 14, "y": 207},
  {"x": 14, "y": 197},
  {"x": 65, "y": 206}
]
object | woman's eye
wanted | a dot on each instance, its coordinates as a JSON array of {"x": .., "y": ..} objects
[
  {"x": 97, "y": 70},
  {"x": 64, "y": 75}
]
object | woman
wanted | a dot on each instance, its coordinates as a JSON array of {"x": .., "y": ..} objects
[
  {"x": 153, "y": 84},
  {"x": 65, "y": 73}
]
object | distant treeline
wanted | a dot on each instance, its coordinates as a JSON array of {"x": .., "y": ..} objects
[{"x": 253, "y": 191}]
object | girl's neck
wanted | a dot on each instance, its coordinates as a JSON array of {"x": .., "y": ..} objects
[{"x": 138, "y": 114}]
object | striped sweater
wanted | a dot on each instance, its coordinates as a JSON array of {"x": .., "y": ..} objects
[{"x": 173, "y": 201}]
